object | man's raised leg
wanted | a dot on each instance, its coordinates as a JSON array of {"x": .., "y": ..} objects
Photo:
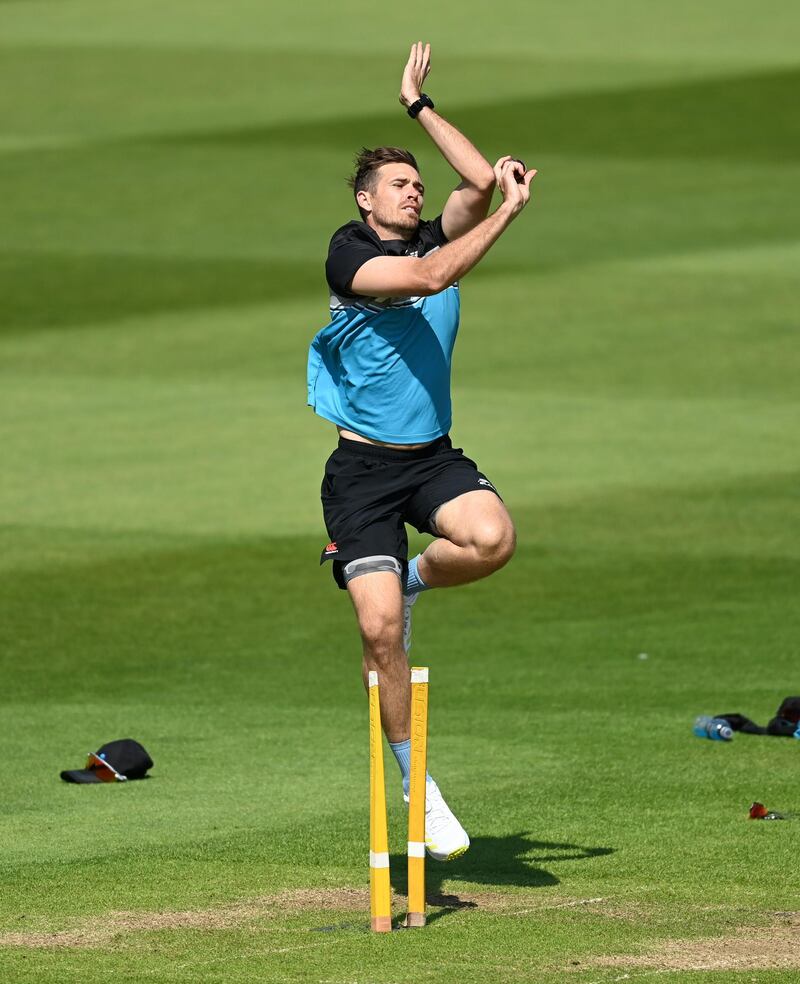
[{"x": 476, "y": 538}]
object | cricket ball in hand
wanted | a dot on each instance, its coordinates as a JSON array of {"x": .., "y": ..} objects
[{"x": 520, "y": 177}]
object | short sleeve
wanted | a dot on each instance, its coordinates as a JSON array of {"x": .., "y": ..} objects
[
  {"x": 350, "y": 248},
  {"x": 432, "y": 233}
]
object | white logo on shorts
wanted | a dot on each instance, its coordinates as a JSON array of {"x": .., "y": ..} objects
[{"x": 485, "y": 481}]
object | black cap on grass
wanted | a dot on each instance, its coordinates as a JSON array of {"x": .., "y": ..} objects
[{"x": 115, "y": 761}]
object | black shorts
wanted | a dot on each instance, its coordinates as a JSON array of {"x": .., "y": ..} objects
[{"x": 369, "y": 493}]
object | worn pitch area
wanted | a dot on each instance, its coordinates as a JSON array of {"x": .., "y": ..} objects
[{"x": 773, "y": 945}]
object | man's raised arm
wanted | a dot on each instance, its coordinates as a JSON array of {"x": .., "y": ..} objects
[
  {"x": 403, "y": 276},
  {"x": 469, "y": 203}
]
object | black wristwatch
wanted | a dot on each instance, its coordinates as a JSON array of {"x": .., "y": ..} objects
[{"x": 420, "y": 104}]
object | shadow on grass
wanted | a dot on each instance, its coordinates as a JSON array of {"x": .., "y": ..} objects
[
  {"x": 515, "y": 859},
  {"x": 741, "y": 117},
  {"x": 50, "y": 290}
]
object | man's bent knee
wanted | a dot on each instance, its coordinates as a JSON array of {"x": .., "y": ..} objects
[{"x": 495, "y": 541}]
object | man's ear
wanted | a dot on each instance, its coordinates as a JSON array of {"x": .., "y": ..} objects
[{"x": 363, "y": 200}]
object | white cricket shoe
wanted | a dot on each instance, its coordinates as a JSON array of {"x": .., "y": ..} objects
[
  {"x": 408, "y": 602},
  {"x": 445, "y": 838}
]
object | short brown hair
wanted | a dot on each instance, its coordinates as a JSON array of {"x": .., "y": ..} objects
[{"x": 367, "y": 162}]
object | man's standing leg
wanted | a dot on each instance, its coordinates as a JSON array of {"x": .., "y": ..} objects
[{"x": 378, "y": 602}]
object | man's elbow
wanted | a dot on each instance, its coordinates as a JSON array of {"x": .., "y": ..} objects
[
  {"x": 485, "y": 181},
  {"x": 430, "y": 282},
  {"x": 489, "y": 182}
]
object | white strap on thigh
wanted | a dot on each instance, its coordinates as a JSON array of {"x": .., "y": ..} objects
[{"x": 370, "y": 565}]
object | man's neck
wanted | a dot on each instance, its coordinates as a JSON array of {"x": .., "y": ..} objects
[{"x": 385, "y": 233}]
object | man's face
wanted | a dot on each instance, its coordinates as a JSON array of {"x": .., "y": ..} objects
[{"x": 395, "y": 202}]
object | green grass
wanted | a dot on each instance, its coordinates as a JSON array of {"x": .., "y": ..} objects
[{"x": 627, "y": 375}]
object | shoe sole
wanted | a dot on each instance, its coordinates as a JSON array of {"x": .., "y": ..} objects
[{"x": 459, "y": 851}]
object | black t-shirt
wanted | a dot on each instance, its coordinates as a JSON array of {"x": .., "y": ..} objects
[{"x": 355, "y": 243}]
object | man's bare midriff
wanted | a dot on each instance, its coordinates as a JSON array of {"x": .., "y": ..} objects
[{"x": 351, "y": 436}]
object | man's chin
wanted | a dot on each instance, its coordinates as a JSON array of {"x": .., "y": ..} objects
[
  {"x": 407, "y": 223},
  {"x": 401, "y": 226}
]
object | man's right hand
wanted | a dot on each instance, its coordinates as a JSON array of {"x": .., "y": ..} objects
[
  {"x": 416, "y": 71},
  {"x": 516, "y": 193}
]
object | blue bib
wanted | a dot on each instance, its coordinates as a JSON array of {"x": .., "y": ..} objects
[{"x": 382, "y": 368}]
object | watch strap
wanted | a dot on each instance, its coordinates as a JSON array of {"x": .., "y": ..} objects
[{"x": 415, "y": 108}]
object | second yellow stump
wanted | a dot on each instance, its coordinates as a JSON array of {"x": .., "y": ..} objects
[{"x": 416, "y": 796}]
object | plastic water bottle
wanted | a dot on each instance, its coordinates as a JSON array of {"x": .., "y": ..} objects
[{"x": 717, "y": 729}]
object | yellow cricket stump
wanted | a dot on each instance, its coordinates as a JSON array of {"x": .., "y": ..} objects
[
  {"x": 380, "y": 892},
  {"x": 416, "y": 797}
]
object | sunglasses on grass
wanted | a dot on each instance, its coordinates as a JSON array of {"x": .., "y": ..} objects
[{"x": 102, "y": 769}]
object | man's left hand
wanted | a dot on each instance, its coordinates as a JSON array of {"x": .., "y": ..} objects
[{"x": 415, "y": 73}]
